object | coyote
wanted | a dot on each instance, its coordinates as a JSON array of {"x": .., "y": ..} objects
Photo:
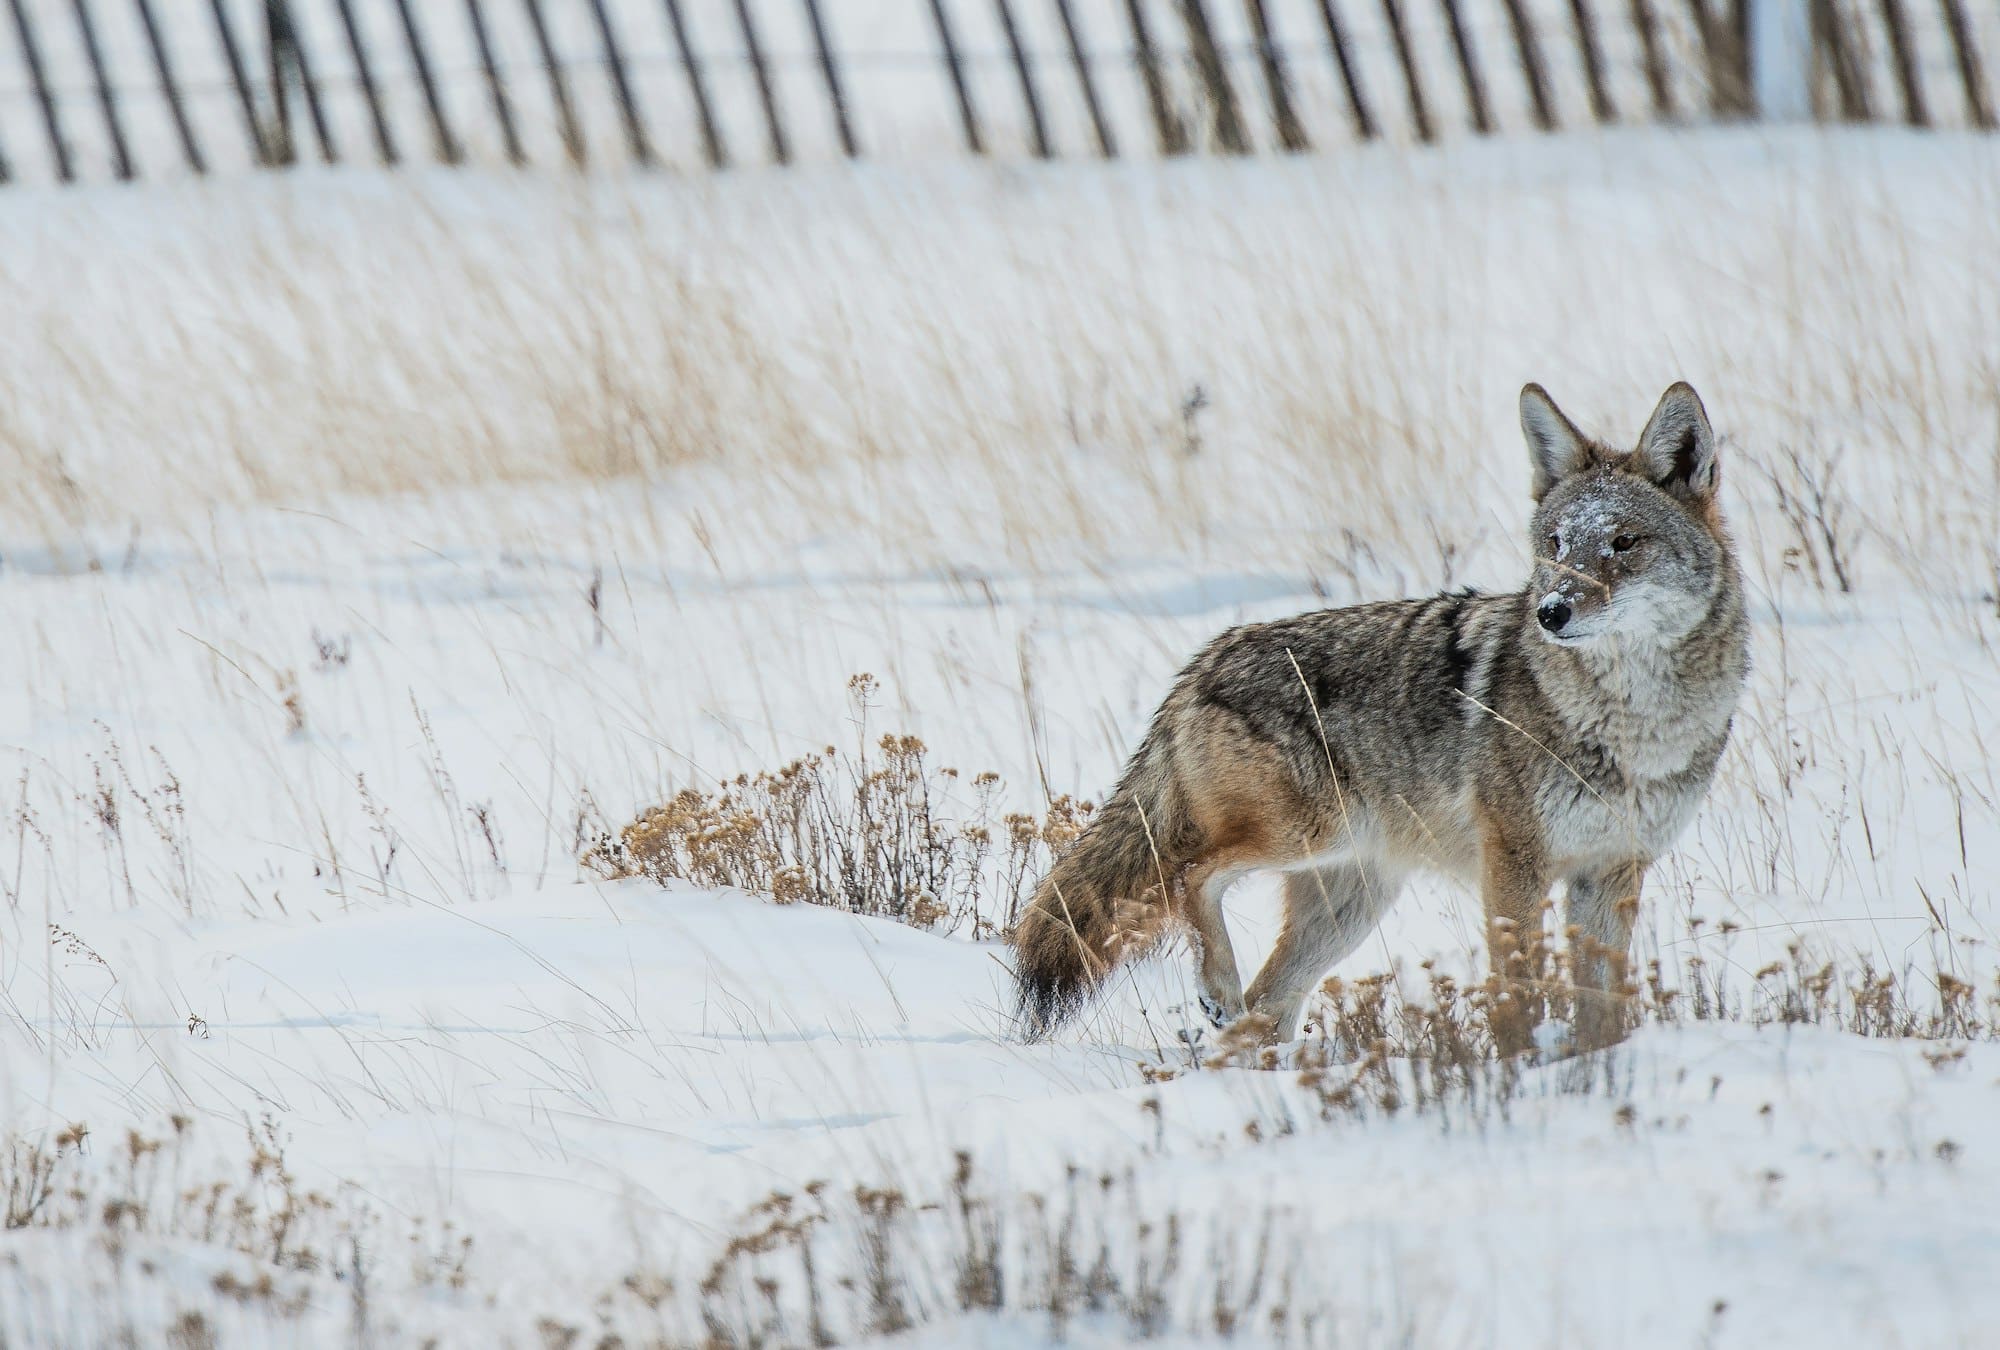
[{"x": 1563, "y": 732}]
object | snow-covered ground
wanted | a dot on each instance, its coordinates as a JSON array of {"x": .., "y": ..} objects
[{"x": 375, "y": 542}]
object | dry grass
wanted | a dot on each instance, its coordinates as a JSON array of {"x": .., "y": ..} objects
[
  {"x": 273, "y": 1246},
  {"x": 877, "y": 832},
  {"x": 825, "y": 1269},
  {"x": 140, "y": 1191},
  {"x": 817, "y": 1268},
  {"x": 1079, "y": 356}
]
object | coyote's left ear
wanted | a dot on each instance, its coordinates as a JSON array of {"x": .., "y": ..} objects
[{"x": 1677, "y": 449}]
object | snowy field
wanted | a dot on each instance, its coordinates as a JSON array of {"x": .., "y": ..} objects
[{"x": 374, "y": 545}]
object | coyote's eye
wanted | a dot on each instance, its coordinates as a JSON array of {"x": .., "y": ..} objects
[
  {"x": 1555, "y": 544},
  {"x": 1624, "y": 542}
]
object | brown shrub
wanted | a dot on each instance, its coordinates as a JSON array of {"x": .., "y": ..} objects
[{"x": 881, "y": 832}]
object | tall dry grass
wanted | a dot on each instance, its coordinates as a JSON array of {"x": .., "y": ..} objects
[{"x": 1196, "y": 354}]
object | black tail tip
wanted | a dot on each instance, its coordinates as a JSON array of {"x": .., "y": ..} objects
[{"x": 1044, "y": 1001}]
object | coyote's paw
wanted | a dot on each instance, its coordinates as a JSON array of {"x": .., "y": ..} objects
[{"x": 1217, "y": 1015}]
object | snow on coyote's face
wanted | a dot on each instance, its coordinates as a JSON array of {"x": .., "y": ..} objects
[{"x": 1628, "y": 547}]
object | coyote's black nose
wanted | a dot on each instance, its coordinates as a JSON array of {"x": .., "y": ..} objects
[{"x": 1553, "y": 614}]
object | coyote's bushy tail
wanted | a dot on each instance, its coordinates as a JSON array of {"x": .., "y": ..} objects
[{"x": 1105, "y": 898}]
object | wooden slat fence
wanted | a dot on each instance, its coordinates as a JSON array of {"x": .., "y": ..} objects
[{"x": 96, "y": 90}]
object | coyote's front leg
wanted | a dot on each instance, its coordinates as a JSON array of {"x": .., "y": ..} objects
[
  {"x": 1514, "y": 887},
  {"x": 1603, "y": 903}
]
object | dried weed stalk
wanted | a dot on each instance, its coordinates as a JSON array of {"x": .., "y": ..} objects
[{"x": 879, "y": 832}]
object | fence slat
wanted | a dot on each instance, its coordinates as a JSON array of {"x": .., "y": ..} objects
[
  {"x": 496, "y": 86},
  {"x": 1214, "y": 78},
  {"x": 385, "y": 142},
  {"x": 1529, "y": 45},
  {"x": 572, "y": 132},
  {"x": 1413, "y": 85},
  {"x": 1850, "y": 79},
  {"x": 1725, "y": 50},
  {"x": 1902, "y": 53},
  {"x": 1468, "y": 68},
  {"x": 1654, "y": 58},
  {"x": 291, "y": 64},
  {"x": 1350, "y": 78},
  {"x": 1965, "y": 50},
  {"x": 781, "y": 152},
  {"x": 1038, "y": 131},
  {"x": 31, "y": 51},
  {"x": 163, "y": 63},
  {"x": 1086, "y": 82},
  {"x": 260, "y": 141},
  {"x": 1291, "y": 132},
  {"x": 441, "y": 132},
  {"x": 954, "y": 66},
  {"x": 628, "y": 106},
  {"x": 711, "y": 136},
  {"x": 279, "y": 130},
  {"x": 1736, "y": 37},
  {"x": 1585, "y": 22},
  {"x": 1173, "y": 136},
  {"x": 107, "y": 100},
  {"x": 829, "y": 69}
]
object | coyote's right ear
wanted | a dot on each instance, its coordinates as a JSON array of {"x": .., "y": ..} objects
[{"x": 1555, "y": 447}]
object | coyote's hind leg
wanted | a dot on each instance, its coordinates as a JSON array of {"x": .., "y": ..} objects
[
  {"x": 1221, "y": 984},
  {"x": 1328, "y": 912}
]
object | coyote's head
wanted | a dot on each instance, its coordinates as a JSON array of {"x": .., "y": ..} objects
[{"x": 1627, "y": 545}]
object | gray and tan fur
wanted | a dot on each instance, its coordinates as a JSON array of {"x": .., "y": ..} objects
[{"x": 1565, "y": 732}]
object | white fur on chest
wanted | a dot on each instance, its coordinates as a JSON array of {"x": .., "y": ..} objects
[
  {"x": 1640, "y": 713},
  {"x": 1651, "y": 722},
  {"x": 1581, "y": 827}
]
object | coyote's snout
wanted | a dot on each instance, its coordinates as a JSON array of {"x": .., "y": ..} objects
[{"x": 1562, "y": 733}]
